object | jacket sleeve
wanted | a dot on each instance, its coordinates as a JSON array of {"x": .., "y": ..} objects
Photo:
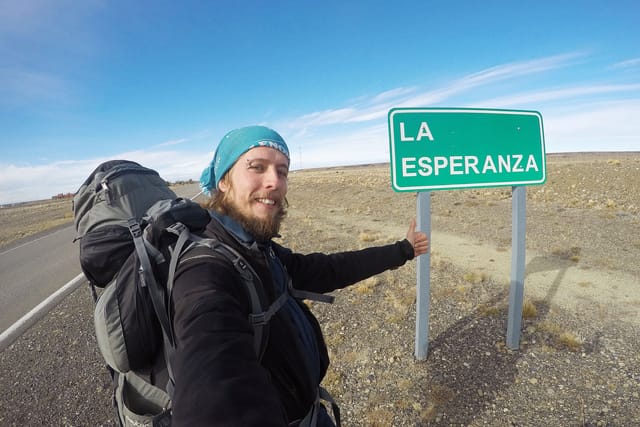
[
  {"x": 323, "y": 273},
  {"x": 218, "y": 378}
]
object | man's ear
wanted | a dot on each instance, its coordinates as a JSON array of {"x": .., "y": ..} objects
[{"x": 223, "y": 185}]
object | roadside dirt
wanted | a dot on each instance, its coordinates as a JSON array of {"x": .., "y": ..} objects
[
  {"x": 579, "y": 353},
  {"x": 578, "y": 357},
  {"x": 27, "y": 219}
]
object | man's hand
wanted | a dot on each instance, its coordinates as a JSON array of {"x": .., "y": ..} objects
[{"x": 418, "y": 240}]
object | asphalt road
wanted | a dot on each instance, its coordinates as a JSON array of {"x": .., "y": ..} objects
[
  {"x": 33, "y": 270},
  {"x": 53, "y": 374}
]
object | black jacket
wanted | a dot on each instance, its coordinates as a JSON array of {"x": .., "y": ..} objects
[{"x": 219, "y": 379}]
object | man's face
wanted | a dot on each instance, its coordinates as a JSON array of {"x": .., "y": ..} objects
[{"x": 255, "y": 189}]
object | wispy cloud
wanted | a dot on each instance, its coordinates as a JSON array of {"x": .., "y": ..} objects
[
  {"x": 392, "y": 94},
  {"x": 575, "y": 114},
  {"x": 173, "y": 142},
  {"x": 598, "y": 126},
  {"x": 328, "y": 117},
  {"x": 529, "y": 99},
  {"x": 491, "y": 76},
  {"x": 171, "y": 165},
  {"x": 377, "y": 106},
  {"x": 43, "y": 181},
  {"x": 358, "y": 146},
  {"x": 519, "y": 69},
  {"x": 629, "y": 63}
]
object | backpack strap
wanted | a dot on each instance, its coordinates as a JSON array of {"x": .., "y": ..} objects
[
  {"x": 326, "y": 396},
  {"x": 148, "y": 280},
  {"x": 184, "y": 236},
  {"x": 313, "y": 296},
  {"x": 169, "y": 346},
  {"x": 258, "y": 316},
  {"x": 311, "y": 419},
  {"x": 156, "y": 293}
]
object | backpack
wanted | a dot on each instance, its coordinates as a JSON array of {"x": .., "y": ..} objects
[{"x": 133, "y": 232}]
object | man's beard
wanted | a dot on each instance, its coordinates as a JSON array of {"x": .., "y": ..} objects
[{"x": 261, "y": 229}]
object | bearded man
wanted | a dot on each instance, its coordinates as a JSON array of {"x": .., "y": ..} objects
[{"x": 221, "y": 376}]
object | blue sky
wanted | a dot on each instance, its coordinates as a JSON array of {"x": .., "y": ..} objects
[{"x": 161, "y": 82}]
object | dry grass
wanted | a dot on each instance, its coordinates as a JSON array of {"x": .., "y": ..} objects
[
  {"x": 367, "y": 287},
  {"x": 571, "y": 254},
  {"x": 32, "y": 218},
  {"x": 490, "y": 310},
  {"x": 368, "y": 237},
  {"x": 475, "y": 277},
  {"x": 558, "y": 338},
  {"x": 570, "y": 341},
  {"x": 529, "y": 310}
]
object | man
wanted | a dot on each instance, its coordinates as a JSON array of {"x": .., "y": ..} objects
[{"x": 220, "y": 379}]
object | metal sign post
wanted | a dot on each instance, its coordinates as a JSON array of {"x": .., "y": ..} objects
[
  {"x": 423, "y": 278},
  {"x": 516, "y": 291},
  {"x": 461, "y": 148}
]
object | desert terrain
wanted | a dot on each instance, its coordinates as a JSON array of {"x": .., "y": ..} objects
[{"x": 579, "y": 356}]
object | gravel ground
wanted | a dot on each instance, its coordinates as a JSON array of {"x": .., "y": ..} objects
[
  {"x": 54, "y": 375},
  {"x": 573, "y": 368}
]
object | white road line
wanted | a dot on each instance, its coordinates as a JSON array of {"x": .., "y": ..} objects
[
  {"x": 25, "y": 322},
  {"x": 28, "y": 320}
]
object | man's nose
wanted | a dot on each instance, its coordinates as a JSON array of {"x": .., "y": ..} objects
[{"x": 273, "y": 178}]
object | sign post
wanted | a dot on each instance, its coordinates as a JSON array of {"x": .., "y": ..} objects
[
  {"x": 423, "y": 290},
  {"x": 518, "y": 245},
  {"x": 463, "y": 148}
]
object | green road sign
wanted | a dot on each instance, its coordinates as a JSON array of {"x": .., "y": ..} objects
[{"x": 454, "y": 148}]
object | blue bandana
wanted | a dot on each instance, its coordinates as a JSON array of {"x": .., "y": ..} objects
[{"x": 235, "y": 144}]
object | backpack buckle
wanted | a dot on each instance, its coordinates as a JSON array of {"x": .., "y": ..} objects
[
  {"x": 243, "y": 269},
  {"x": 176, "y": 228},
  {"x": 259, "y": 319},
  {"x": 134, "y": 227}
]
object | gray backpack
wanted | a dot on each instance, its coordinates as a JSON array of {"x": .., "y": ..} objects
[{"x": 133, "y": 233}]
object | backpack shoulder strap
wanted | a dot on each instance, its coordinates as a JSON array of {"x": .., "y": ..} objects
[
  {"x": 148, "y": 280},
  {"x": 259, "y": 317},
  {"x": 313, "y": 296}
]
